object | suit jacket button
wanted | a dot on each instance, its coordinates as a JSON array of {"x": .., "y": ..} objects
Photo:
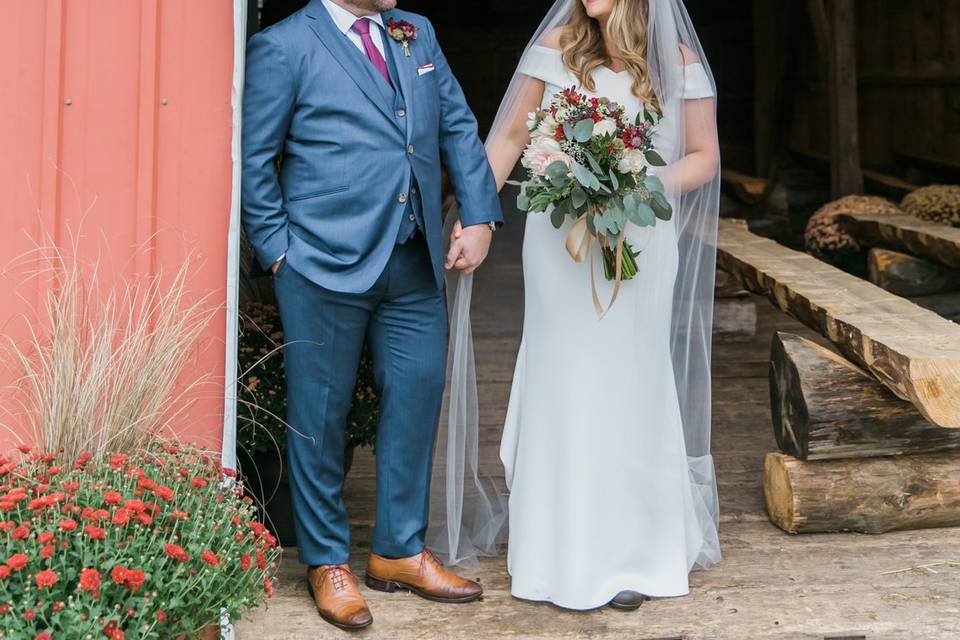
[
  {"x": 402, "y": 198},
  {"x": 412, "y": 218},
  {"x": 402, "y": 113},
  {"x": 410, "y": 149}
]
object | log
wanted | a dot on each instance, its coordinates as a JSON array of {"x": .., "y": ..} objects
[
  {"x": 825, "y": 408},
  {"x": 735, "y": 319},
  {"x": 921, "y": 238},
  {"x": 871, "y": 495},
  {"x": 747, "y": 189},
  {"x": 912, "y": 351},
  {"x": 726, "y": 286},
  {"x": 907, "y": 276}
]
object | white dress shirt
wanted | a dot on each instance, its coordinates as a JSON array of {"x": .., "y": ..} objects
[{"x": 344, "y": 21}]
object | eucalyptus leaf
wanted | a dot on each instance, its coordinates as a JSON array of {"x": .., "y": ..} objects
[
  {"x": 654, "y": 158},
  {"x": 557, "y": 216},
  {"x": 556, "y": 170},
  {"x": 583, "y": 131},
  {"x": 646, "y": 215},
  {"x": 661, "y": 207},
  {"x": 647, "y": 116},
  {"x": 578, "y": 197},
  {"x": 614, "y": 180},
  {"x": 523, "y": 201},
  {"x": 568, "y": 130},
  {"x": 654, "y": 184},
  {"x": 585, "y": 177},
  {"x": 593, "y": 162}
]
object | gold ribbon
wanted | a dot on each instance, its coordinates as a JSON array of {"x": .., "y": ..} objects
[{"x": 579, "y": 242}]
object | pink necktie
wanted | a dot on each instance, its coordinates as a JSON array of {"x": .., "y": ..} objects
[{"x": 362, "y": 27}]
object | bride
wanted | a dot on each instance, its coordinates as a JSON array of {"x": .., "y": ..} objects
[{"x": 606, "y": 444}]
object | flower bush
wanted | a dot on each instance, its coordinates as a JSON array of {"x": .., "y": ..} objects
[
  {"x": 147, "y": 545},
  {"x": 263, "y": 398}
]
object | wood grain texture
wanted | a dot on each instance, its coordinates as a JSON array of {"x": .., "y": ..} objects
[
  {"x": 905, "y": 275},
  {"x": 824, "y": 407},
  {"x": 870, "y": 495},
  {"x": 735, "y": 318},
  {"x": 920, "y": 238},
  {"x": 912, "y": 351}
]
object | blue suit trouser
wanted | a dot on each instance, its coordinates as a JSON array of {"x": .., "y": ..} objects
[{"x": 403, "y": 318}]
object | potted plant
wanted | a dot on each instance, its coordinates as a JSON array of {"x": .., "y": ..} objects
[
  {"x": 147, "y": 545},
  {"x": 262, "y": 410}
]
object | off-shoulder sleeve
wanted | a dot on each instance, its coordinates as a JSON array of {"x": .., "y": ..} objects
[
  {"x": 696, "y": 83},
  {"x": 544, "y": 63}
]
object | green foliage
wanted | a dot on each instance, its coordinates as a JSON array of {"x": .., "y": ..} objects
[{"x": 262, "y": 406}]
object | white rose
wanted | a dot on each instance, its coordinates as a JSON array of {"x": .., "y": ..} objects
[
  {"x": 605, "y": 127},
  {"x": 532, "y": 118},
  {"x": 633, "y": 161}
]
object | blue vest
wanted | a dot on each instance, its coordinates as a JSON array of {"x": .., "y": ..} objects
[{"x": 413, "y": 217}]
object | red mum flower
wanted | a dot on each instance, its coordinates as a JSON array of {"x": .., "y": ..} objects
[
  {"x": 4, "y": 608},
  {"x": 112, "y": 498},
  {"x": 59, "y": 605},
  {"x": 69, "y": 524},
  {"x": 121, "y": 517},
  {"x": 95, "y": 533},
  {"x": 135, "y": 578},
  {"x": 198, "y": 482},
  {"x": 210, "y": 558},
  {"x": 46, "y": 578},
  {"x": 119, "y": 574},
  {"x": 136, "y": 506},
  {"x": 83, "y": 460},
  {"x": 45, "y": 538},
  {"x": 245, "y": 562},
  {"x": 20, "y": 533},
  {"x": 17, "y": 561},
  {"x": 261, "y": 561},
  {"x": 176, "y": 552},
  {"x": 179, "y": 515},
  {"x": 7, "y": 525},
  {"x": 43, "y": 635},
  {"x": 118, "y": 460},
  {"x": 161, "y": 616},
  {"x": 29, "y": 615},
  {"x": 90, "y": 580},
  {"x": 24, "y": 448},
  {"x": 164, "y": 493},
  {"x": 47, "y": 551},
  {"x": 4, "y": 572},
  {"x": 112, "y": 631},
  {"x": 268, "y": 587},
  {"x": 70, "y": 485}
]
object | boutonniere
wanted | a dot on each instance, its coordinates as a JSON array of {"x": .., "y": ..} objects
[{"x": 403, "y": 32}]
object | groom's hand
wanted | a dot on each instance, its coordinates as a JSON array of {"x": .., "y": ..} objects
[{"x": 469, "y": 247}]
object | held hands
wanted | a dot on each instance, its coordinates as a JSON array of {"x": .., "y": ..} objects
[{"x": 468, "y": 247}]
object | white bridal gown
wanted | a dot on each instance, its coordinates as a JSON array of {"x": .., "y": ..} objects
[{"x": 601, "y": 498}]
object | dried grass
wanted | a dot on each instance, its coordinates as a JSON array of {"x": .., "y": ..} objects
[{"x": 102, "y": 369}]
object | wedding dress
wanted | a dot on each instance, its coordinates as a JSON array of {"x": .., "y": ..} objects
[{"x": 601, "y": 500}]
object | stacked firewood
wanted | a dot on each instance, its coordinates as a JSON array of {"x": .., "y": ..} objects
[{"x": 869, "y": 428}]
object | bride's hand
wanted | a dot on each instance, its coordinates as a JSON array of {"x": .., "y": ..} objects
[{"x": 468, "y": 247}]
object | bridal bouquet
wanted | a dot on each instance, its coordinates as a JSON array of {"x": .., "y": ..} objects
[{"x": 587, "y": 161}]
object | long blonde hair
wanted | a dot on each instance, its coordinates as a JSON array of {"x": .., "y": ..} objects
[{"x": 583, "y": 49}]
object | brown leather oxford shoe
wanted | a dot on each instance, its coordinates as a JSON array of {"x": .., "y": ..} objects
[
  {"x": 422, "y": 574},
  {"x": 334, "y": 589}
]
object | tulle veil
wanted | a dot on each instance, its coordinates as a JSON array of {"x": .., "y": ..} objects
[{"x": 469, "y": 504}]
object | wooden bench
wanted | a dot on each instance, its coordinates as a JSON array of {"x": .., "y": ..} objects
[{"x": 912, "y": 351}]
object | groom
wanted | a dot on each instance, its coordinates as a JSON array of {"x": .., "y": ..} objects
[{"x": 359, "y": 104}]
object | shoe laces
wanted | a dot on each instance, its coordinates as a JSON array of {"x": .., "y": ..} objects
[
  {"x": 428, "y": 557},
  {"x": 338, "y": 576}
]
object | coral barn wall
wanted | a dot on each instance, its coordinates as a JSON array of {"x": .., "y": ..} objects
[{"x": 117, "y": 121}]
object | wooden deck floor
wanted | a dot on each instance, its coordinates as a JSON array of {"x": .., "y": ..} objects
[{"x": 769, "y": 585}]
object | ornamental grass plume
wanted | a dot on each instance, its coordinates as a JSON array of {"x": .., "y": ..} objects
[{"x": 102, "y": 369}]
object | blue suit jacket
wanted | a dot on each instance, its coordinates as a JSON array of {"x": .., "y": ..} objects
[{"x": 348, "y": 159}]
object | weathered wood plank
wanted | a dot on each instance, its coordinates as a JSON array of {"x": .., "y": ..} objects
[
  {"x": 911, "y": 350},
  {"x": 920, "y": 238},
  {"x": 846, "y": 177},
  {"x": 748, "y": 189},
  {"x": 734, "y": 318},
  {"x": 868, "y": 495},
  {"x": 907, "y": 276},
  {"x": 824, "y": 408}
]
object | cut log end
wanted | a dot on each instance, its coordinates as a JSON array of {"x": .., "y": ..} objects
[{"x": 778, "y": 491}]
